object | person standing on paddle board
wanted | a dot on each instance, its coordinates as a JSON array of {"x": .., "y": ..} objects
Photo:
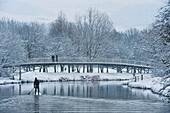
[{"x": 36, "y": 85}]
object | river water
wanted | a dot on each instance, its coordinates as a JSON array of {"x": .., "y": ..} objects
[{"x": 89, "y": 97}]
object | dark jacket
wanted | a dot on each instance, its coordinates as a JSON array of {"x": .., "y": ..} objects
[{"x": 36, "y": 84}]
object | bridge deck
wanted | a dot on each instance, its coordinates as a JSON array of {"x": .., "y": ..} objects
[{"x": 79, "y": 63}]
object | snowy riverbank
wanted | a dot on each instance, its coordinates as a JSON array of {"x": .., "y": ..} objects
[
  {"x": 50, "y": 76},
  {"x": 155, "y": 84},
  {"x": 55, "y": 77}
]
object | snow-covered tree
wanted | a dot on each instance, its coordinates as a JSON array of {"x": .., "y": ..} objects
[
  {"x": 127, "y": 44},
  {"x": 163, "y": 26},
  {"x": 60, "y": 36},
  {"x": 11, "y": 46},
  {"x": 93, "y": 32},
  {"x": 34, "y": 37}
]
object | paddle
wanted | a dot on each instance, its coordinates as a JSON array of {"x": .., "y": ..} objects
[{"x": 30, "y": 92}]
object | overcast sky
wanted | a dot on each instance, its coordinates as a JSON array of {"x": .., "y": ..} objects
[{"x": 125, "y": 14}]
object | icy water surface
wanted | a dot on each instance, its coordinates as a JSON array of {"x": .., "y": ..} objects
[{"x": 79, "y": 97}]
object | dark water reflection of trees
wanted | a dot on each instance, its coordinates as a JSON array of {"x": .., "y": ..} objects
[{"x": 107, "y": 90}]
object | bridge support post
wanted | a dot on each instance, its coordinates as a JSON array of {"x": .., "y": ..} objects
[
  {"x": 119, "y": 70},
  {"x": 107, "y": 69},
  {"x": 78, "y": 70},
  {"x": 62, "y": 68},
  {"x": 43, "y": 68},
  {"x": 19, "y": 72},
  {"x": 72, "y": 68},
  {"x": 148, "y": 70},
  {"x": 40, "y": 69},
  {"x": 54, "y": 68},
  {"x": 87, "y": 68},
  {"x": 46, "y": 69},
  {"x": 98, "y": 69},
  {"x": 101, "y": 69},
  {"x": 144, "y": 70},
  {"x": 131, "y": 70},
  {"x": 127, "y": 70},
  {"x": 29, "y": 68},
  {"x": 91, "y": 68},
  {"x": 140, "y": 70},
  {"x": 26, "y": 68},
  {"x": 83, "y": 68},
  {"x": 68, "y": 68},
  {"x": 33, "y": 68},
  {"x": 23, "y": 67},
  {"x": 134, "y": 71}
]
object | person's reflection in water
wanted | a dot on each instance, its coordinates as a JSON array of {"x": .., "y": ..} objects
[{"x": 36, "y": 104}]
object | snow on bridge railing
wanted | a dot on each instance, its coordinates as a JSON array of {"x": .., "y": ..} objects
[{"x": 85, "y": 59}]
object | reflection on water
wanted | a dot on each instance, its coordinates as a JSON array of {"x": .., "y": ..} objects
[
  {"x": 19, "y": 89},
  {"x": 87, "y": 97},
  {"x": 107, "y": 90},
  {"x": 62, "y": 104},
  {"x": 36, "y": 104}
]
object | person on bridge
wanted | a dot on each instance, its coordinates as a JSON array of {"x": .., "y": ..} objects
[
  {"x": 36, "y": 85},
  {"x": 52, "y": 58},
  {"x": 56, "y": 58}
]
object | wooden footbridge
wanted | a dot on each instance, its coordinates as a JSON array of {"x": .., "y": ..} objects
[{"x": 84, "y": 66}]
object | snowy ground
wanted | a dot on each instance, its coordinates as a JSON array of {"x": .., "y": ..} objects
[
  {"x": 65, "y": 76},
  {"x": 30, "y": 76},
  {"x": 149, "y": 82},
  {"x": 8, "y": 81},
  {"x": 155, "y": 84}
]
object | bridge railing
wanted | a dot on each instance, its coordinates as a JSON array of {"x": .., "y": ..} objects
[{"x": 85, "y": 59}]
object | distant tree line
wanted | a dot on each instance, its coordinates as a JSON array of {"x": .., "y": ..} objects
[{"x": 92, "y": 35}]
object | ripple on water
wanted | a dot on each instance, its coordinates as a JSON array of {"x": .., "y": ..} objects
[{"x": 54, "y": 104}]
